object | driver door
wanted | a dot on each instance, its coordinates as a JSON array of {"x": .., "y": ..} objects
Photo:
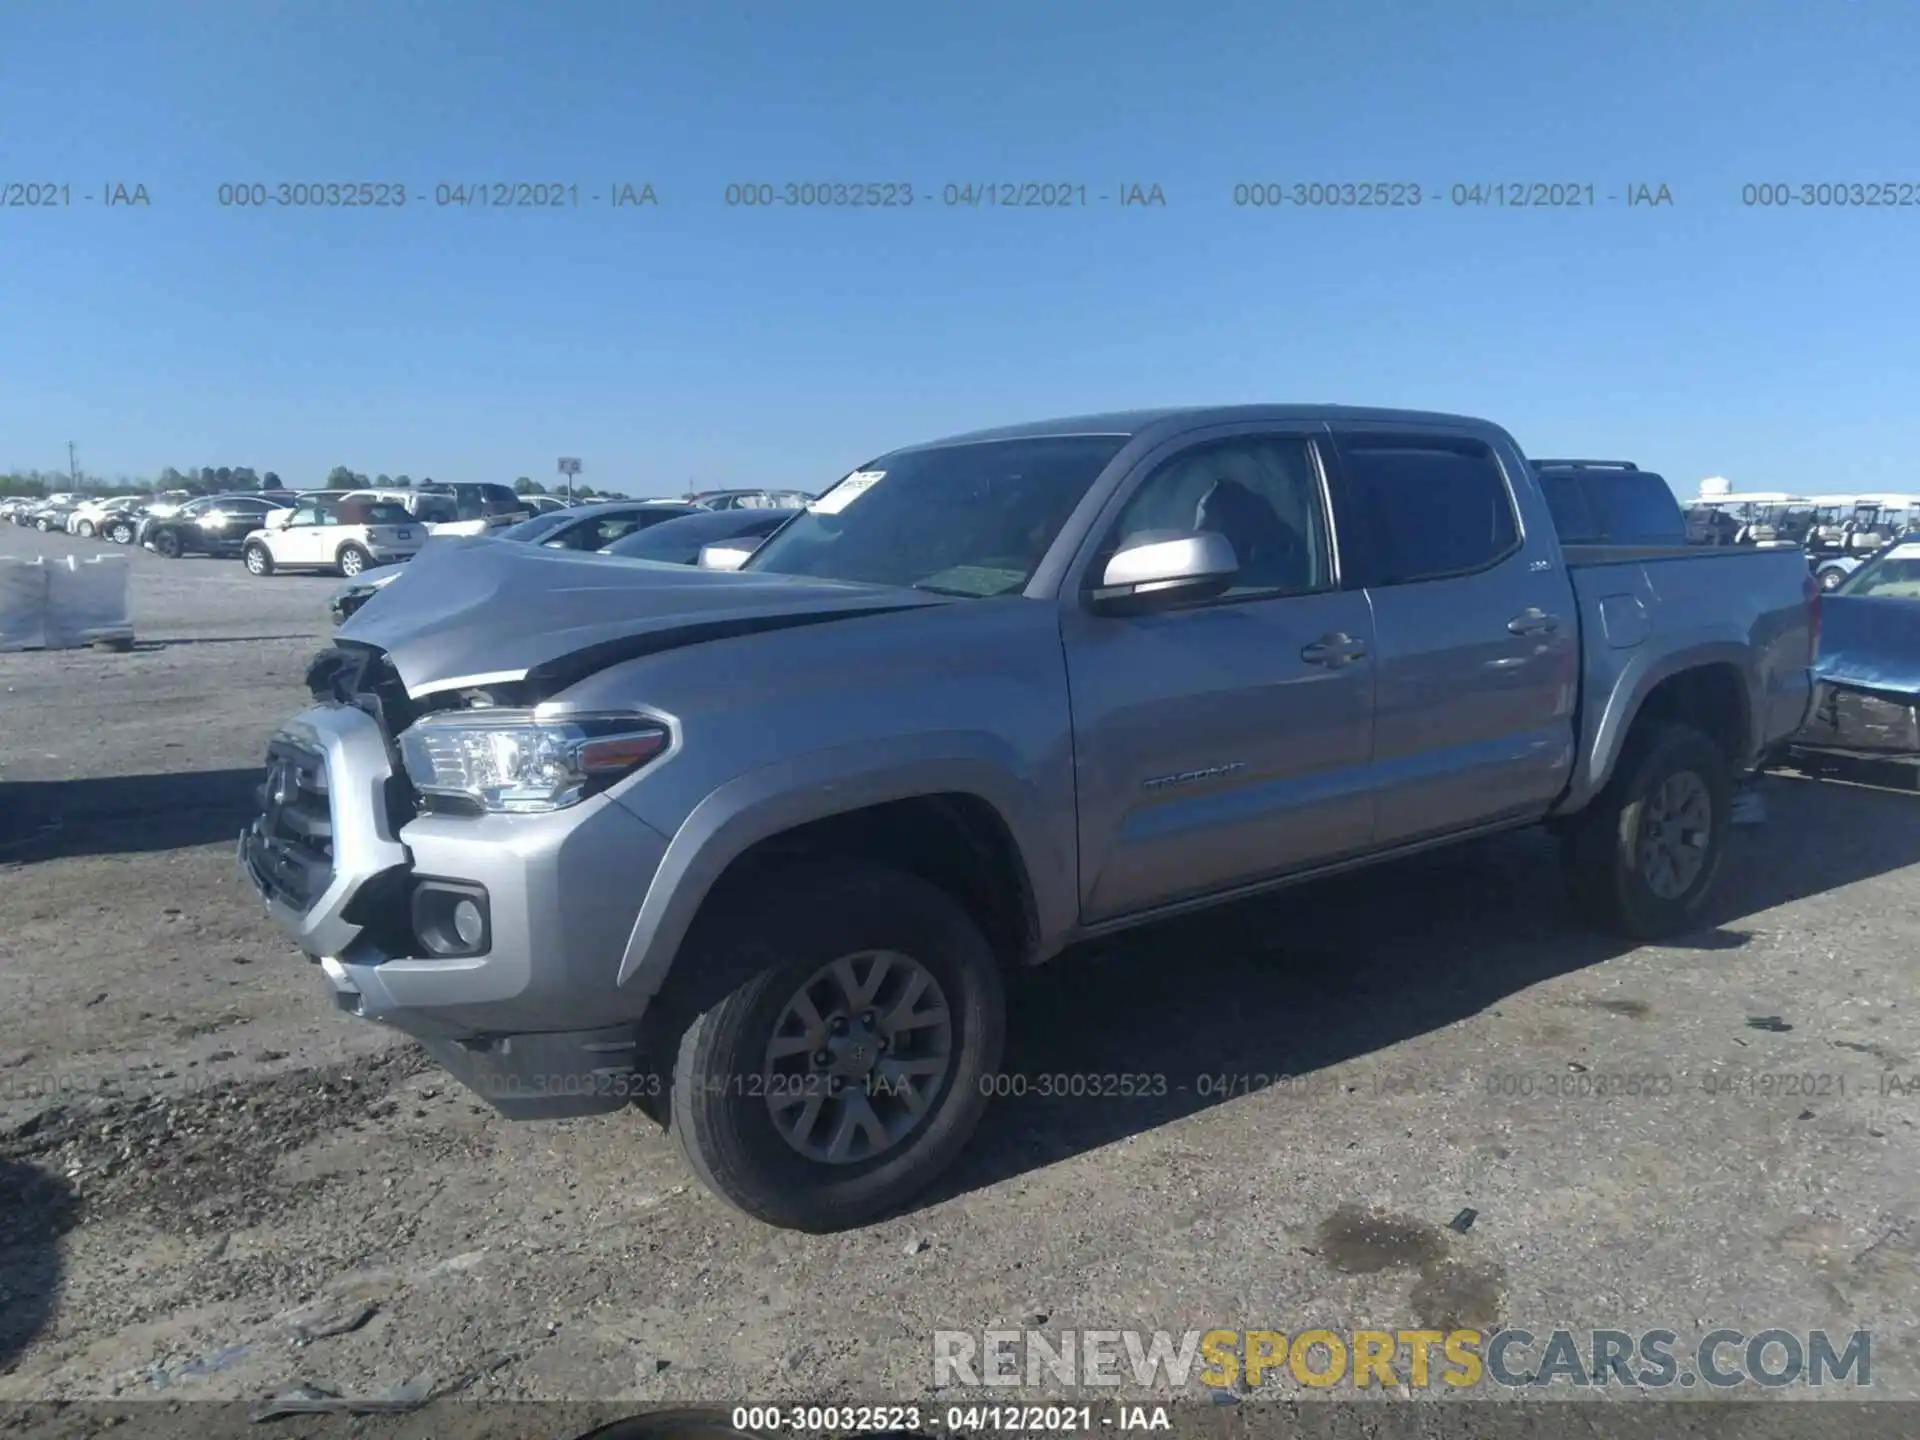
[
  {"x": 1227, "y": 742},
  {"x": 303, "y": 540}
]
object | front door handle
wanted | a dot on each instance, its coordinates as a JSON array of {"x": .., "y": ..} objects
[
  {"x": 1533, "y": 621},
  {"x": 1336, "y": 649}
]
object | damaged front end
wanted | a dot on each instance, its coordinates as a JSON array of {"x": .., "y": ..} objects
[{"x": 439, "y": 832}]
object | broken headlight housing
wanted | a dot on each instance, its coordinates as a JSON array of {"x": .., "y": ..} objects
[{"x": 519, "y": 762}]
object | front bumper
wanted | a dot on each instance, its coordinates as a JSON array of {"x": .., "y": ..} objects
[{"x": 538, "y": 1023}]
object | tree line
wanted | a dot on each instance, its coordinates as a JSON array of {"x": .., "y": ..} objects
[{"x": 224, "y": 479}]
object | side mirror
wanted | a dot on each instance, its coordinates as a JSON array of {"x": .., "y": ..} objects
[
  {"x": 725, "y": 555},
  {"x": 1161, "y": 572}
]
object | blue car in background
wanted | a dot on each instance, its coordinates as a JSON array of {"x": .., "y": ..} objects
[{"x": 1866, "y": 701}]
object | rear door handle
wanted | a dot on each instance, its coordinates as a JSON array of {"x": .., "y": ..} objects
[
  {"x": 1533, "y": 621},
  {"x": 1336, "y": 649}
]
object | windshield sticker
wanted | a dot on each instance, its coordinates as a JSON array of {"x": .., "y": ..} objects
[{"x": 846, "y": 492}]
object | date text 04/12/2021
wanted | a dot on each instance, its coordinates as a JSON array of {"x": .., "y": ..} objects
[
  {"x": 959, "y": 1419},
  {"x": 445, "y": 195},
  {"x": 1459, "y": 195},
  {"x": 967, "y": 195}
]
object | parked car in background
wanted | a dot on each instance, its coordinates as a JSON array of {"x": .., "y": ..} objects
[
  {"x": 1867, "y": 675},
  {"x": 84, "y": 521},
  {"x": 168, "y": 502},
  {"x": 477, "y": 509},
  {"x": 679, "y": 542},
  {"x": 763, "y": 845},
  {"x": 210, "y": 525},
  {"x": 596, "y": 526},
  {"x": 749, "y": 499},
  {"x": 584, "y": 529},
  {"x": 51, "y": 515},
  {"x": 121, "y": 523},
  {"x": 347, "y": 535},
  {"x": 545, "y": 504}
]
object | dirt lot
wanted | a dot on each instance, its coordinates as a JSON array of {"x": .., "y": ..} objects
[{"x": 199, "y": 1156}]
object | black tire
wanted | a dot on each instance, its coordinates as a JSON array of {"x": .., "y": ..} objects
[
  {"x": 167, "y": 544},
  {"x": 84, "y": 529},
  {"x": 258, "y": 559},
  {"x": 1606, "y": 869},
  {"x": 120, "y": 533},
  {"x": 793, "y": 926},
  {"x": 43, "y": 525},
  {"x": 353, "y": 559},
  {"x": 1833, "y": 579}
]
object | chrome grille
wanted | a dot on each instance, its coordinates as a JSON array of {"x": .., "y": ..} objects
[{"x": 291, "y": 845}]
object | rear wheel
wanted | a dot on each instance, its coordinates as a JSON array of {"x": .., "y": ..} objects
[
  {"x": 353, "y": 560},
  {"x": 1644, "y": 854},
  {"x": 43, "y": 525},
  {"x": 259, "y": 560},
  {"x": 849, "y": 1066},
  {"x": 167, "y": 543},
  {"x": 84, "y": 529},
  {"x": 1832, "y": 579}
]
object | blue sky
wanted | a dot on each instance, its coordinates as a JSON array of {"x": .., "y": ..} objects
[{"x": 694, "y": 340}]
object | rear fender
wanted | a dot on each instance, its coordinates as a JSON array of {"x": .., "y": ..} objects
[{"x": 1642, "y": 673}]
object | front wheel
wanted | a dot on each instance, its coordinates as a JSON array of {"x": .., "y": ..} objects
[
  {"x": 84, "y": 529},
  {"x": 1644, "y": 853},
  {"x": 1832, "y": 579},
  {"x": 258, "y": 558},
  {"x": 120, "y": 533},
  {"x": 167, "y": 544},
  {"x": 353, "y": 560},
  {"x": 43, "y": 525},
  {"x": 849, "y": 1066}
]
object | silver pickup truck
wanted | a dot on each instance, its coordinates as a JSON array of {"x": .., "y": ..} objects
[{"x": 756, "y": 849}]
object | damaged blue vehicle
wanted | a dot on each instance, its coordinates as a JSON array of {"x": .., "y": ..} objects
[{"x": 1867, "y": 675}]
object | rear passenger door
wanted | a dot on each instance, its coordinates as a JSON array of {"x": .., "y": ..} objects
[
  {"x": 1224, "y": 742},
  {"x": 1476, "y": 641}
]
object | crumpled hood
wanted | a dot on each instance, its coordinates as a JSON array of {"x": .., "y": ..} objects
[
  {"x": 1870, "y": 642},
  {"x": 482, "y": 611}
]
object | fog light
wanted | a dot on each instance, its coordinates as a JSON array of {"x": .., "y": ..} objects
[
  {"x": 451, "y": 918},
  {"x": 467, "y": 923}
]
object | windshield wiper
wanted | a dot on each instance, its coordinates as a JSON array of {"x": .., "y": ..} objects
[{"x": 947, "y": 590}]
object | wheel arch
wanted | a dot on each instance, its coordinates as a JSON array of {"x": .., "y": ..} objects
[
  {"x": 964, "y": 823},
  {"x": 1709, "y": 687}
]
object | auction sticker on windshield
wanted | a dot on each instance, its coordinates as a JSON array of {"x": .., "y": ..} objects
[{"x": 846, "y": 492}]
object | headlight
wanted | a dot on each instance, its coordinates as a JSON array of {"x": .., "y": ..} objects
[{"x": 515, "y": 762}]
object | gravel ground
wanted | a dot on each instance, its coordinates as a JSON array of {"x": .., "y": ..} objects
[{"x": 214, "y": 1186}]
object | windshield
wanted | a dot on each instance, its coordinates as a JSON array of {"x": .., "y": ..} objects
[
  {"x": 1894, "y": 576},
  {"x": 972, "y": 519}
]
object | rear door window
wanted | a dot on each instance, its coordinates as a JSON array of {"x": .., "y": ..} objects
[{"x": 1429, "y": 506}]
